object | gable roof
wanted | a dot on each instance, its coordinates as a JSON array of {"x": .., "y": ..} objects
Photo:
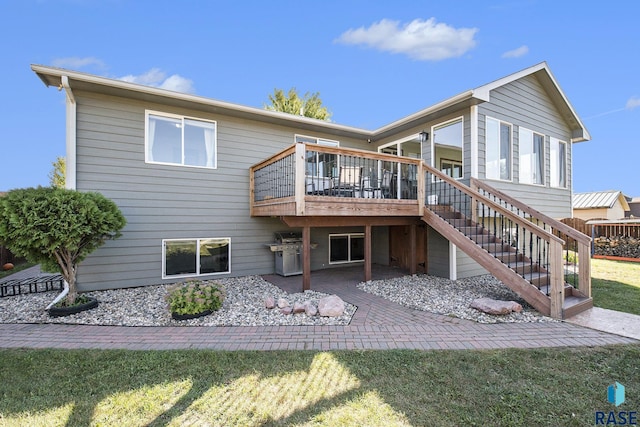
[
  {"x": 599, "y": 199},
  {"x": 52, "y": 76}
]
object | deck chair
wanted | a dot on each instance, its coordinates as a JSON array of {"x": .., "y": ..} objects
[
  {"x": 386, "y": 184},
  {"x": 349, "y": 182}
]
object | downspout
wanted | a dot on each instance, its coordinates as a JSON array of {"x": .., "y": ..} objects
[{"x": 70, "y": 172}]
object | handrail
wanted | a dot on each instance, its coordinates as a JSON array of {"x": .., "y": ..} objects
[
  {"x": 280, "y": 155},
  {"x": 554, "y": 223},
  {"x": 361, "y": 153},
  {"x": 495, "y": 206}
]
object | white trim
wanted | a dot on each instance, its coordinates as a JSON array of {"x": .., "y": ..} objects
[
  {"x": 71, "y": 136},
  {"x": 147, "y": 113},
  {"x": 349, "y": 236},
  {"x": 197, "y": 274},
  {"x": 486, "y": 151},
  {"x": 474, "y": 141},
  {"x": 453, "y": 262},
  {"x": 317, "y": 140},
  {"x": 433, "y": 144}
]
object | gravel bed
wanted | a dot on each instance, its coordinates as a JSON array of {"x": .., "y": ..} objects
[
  {"x": 146, "y": 306},
  {"x": 244, "y": 303},
  {"x": 452, "y": 297}
]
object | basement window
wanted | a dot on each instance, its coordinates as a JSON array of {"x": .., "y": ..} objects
[
  {"x": 344, "y": 248},
  {"x": 195, "y": 257}
]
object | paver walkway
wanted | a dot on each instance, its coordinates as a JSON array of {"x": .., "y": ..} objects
[{"x": 377, "y": 324}]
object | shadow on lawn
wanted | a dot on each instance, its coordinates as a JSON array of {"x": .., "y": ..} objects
[{"x": 507, "y": 387}]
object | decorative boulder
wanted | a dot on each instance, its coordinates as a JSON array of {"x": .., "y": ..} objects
[
  {"x": 286, "y": 310},
  {"x": 331, "y": 306},
  {"x": 298, "y": 307},
  {"x": 310, "y": 309},
  {"x": 282, "y": 303},
  {"x": 8, "y": 266},
  {"x": 269, "y": 303},
  {"x": 491, "y": 306}
]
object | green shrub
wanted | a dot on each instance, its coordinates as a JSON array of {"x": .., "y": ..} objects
[{"x": 194, "y": 296}]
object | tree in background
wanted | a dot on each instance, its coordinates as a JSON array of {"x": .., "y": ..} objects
[
  {"x": 58, "y": 228},
  {"x": 57, "y": 176},
  {"x": 310, "y": 105}
]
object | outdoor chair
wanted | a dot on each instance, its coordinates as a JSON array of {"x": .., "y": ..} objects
[{"x": 349, "y": 182}]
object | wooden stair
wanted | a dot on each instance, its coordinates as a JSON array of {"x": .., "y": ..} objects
[{"x": 518, "y": 272}]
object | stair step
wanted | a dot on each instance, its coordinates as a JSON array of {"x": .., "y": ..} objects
[
  {"x": 537, "y": 278},
  {"x": 509, "y": 257},
  {"x": 574, "y": 305},
  {"x": 494, "y": 247},
  {"x": 523, "y": 268}
]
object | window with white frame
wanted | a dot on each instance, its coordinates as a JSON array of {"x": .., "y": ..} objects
[
  {"x": 447, "y": 140},
  {"x": 177, "y": 140},
  {"x": 348, "y": 247},
  {"x": 498, "y": 149},
  {"x": 558, "y": 166},
  {"x": 320, "y": 168},
  {"x": 531, "y": 166},
  {"x": 195, "y": 257}
]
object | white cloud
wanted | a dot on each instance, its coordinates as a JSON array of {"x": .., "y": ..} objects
[
  {"x": 158, "y": 78},
  {"x": 422, "y": 40},
  {"x": 632, "y": 103},
  {"x": 516, "y": 53},
  {"x": 75, "y": 62}
]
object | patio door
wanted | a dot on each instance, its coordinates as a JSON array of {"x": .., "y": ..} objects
[{"x": 403, "y": 179}]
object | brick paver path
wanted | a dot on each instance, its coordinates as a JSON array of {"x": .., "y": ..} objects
[{"x": 377, "y": 324}]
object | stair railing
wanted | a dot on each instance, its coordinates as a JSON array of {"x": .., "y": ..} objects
[
  {"x": 576, "y": 249},
  {"x": 528, "y": 249}
]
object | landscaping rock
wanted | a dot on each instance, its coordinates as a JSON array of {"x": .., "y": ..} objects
[
  {"x": 491, "y": 306},
  {"x": 310, "y": 309},
  {"x": 282, "y": 303},
  {"x": 286, "y": 310},
  {"x": 298, "y": 307},
  {"x": 270, "y": 303},
  {"x": 331, "y": 306}
]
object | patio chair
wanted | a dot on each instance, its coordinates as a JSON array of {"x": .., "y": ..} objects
[{"x": 349, "y": 182}]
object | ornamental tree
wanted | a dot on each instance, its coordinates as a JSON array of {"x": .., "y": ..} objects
[
  {"x": 58, "y": 228},
  {"x": 310, "y": 105}
]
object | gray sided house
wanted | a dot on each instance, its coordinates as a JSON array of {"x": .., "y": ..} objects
[{"x": 467, "y": 186}]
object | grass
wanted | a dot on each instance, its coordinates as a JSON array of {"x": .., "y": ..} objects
[
  {"x": 616, "y": 285},
  {"x": 391, "y": 388}
]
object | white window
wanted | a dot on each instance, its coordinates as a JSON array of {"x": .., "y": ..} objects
[
  {"x": 498, "y": 149},
  {"x": 531, "y": 165},
  {"x": 195, "y": 257},
  {"x": 322, "y": 165},
  {"x": 345, "y": 248},
  {"x": 558, "y": 164},
  {"x": 447, "y": 139},
  {"x": 177, "y": 140}
]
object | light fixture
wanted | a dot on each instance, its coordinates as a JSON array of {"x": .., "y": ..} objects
[{"x": 424, "y": 136}]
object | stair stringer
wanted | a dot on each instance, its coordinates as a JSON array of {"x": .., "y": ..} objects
[{"x": 502, "y": 272}]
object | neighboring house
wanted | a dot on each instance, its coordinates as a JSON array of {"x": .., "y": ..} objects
[
  {"x": 600, "y": 205},
  {"x": 634, "y": 207},
  {"x": 205, "y": 184}
]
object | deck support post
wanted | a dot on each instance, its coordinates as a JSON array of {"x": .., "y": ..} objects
[
  {"x": 306, "y": 258},
  {"x": 413, "y": 259},
  {"x": 584, "y": 269},
  {"x": 367, "y": 252},
  {"x": 556, "y": 292}
]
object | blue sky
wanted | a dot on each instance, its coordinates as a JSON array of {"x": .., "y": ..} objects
[{"x": 372, "y": 63}]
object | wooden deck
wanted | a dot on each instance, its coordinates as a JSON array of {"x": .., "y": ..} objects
[{"x": 308, "y": 185}]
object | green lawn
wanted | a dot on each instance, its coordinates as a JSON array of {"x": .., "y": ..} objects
[
  {"x": 616, "y": 285},
  {"x": 362, "y": 388}
]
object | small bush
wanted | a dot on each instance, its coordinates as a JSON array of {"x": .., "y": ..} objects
[{"x": 194, "y": 296}]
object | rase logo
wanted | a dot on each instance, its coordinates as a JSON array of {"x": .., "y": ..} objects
[{"x": 615, "y": 396}]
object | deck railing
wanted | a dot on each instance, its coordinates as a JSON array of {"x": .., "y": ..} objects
[
  {"x": 576, "y": 250},
  {"x": 528, "y": 249},
  {"x": 305, "y": 172}
]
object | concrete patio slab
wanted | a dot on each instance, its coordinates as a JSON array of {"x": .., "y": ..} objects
[{"x": 611, "y": 321}]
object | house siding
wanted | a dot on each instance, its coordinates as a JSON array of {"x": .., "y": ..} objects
[
  {"x": 169, "y": 202},
  {"x": 438, "y": 252},
  {"x": 525, "y": 103}
]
